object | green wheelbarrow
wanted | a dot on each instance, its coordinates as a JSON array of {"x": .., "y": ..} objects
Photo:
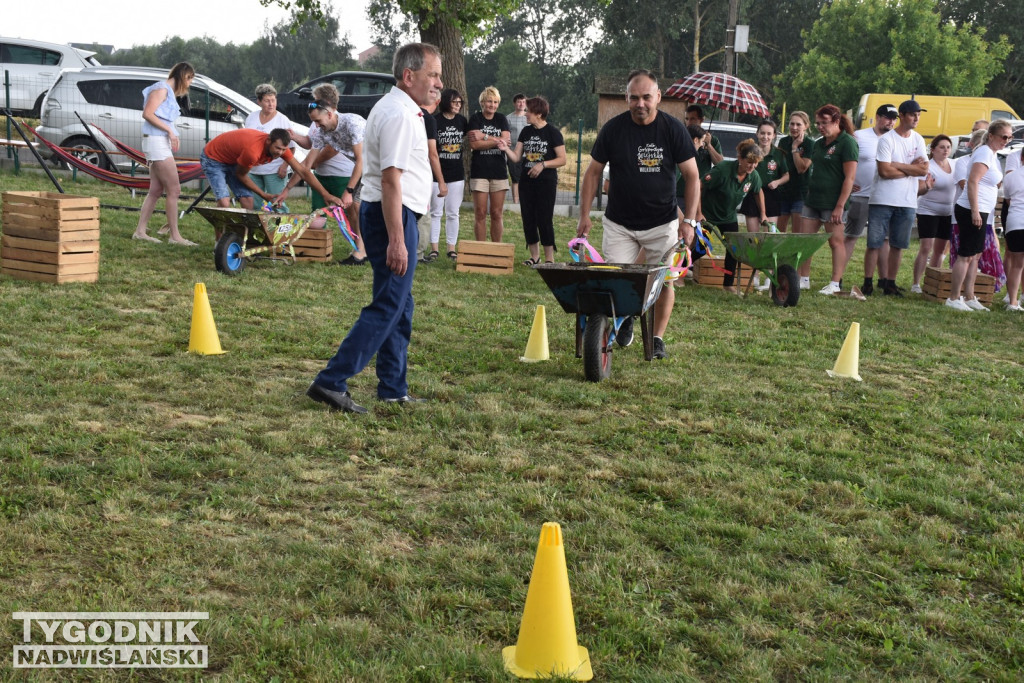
[{"x": 777, "y": 255}]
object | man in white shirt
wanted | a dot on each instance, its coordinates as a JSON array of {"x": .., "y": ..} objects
[
  {"x": 857, "y": 218},
  {"x": 396, "y": 192},
  {"x": 901, "y": 159}
]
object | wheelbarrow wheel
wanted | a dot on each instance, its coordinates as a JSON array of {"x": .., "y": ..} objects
[
  {"x": 227, "y": 255},
  {"x": 787, "y": 291},
  {"x": 597, "y": 355}
]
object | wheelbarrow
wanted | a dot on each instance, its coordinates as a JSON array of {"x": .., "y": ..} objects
[
  {"x": 602, "y": 296},
  {"x": 245, "y": 235},
  {"x": 777, "y": 255}
]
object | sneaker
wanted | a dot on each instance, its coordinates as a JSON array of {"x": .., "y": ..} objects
[
  {"x": 756, "y": 284},
  {"x": 805, "y": 283},
  {"x": 830, "y": 289},
  {"x": 1014, "y": 307},
  {"x": 659, "y": 349},
  {"x": 765, "y": 287},
  {"x": 958, "y": 305},
  {"x": 868, "y": 288},
  {"x": 405, "y": 399},
  {"x": 916, "y": 289},
  {"x": 624, "y": 337},
  {"x": 975, "y": 305},
  {"x": 1006, "y": 299}
]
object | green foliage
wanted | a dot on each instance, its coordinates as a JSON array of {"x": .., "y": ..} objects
[
  {"x": 900, "y": 46},
  {"x": 472, "y": 18},
  {"x": 286, "y": 55}
]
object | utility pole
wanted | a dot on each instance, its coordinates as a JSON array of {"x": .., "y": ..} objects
[{"x": 730, "y": 37}]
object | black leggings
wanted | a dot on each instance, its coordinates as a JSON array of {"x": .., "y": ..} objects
[
  {"x": 537, "y": 204},
  {"x": 730, "y": 261}
]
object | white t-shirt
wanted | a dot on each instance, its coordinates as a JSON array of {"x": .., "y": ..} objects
[
  {"x": 938, "y": 201},
  {"x": 279, "y": 121},
  {"x": 960, "y": 173},
  {"x": 867, "y": 140},
  {"x": 988, "y": 186},
  {"x": 1013, "y": 189},
  {"x": 396, "y": 137},
  {"x": 1013, "y": 160},
  {"x": 893, "y": 147}
]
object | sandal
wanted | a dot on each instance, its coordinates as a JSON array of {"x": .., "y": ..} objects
[
  {"x": 429, "y": 258},
  {"x": 453, "y": 255},
  {"x": 531, "y": 262}
]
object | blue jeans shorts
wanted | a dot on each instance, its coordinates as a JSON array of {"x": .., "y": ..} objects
[
  {"x": 889, "y": 222},
  {"x": 222, "y": 179},
  {"x": 787, "y": 207}
]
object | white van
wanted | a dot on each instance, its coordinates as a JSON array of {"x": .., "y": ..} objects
[{"x": 32, "y": 66}]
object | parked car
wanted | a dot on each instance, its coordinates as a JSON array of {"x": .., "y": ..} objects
[
  {"x": 731, "y": 135},
  {"x": 111, "y": 98},
  {"x": 32, "y": 66},
  {"x": 358, "y": 91}
]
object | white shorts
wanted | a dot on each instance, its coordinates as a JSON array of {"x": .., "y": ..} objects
[
  {"x": 156, "y": 147},
  {"x": 622, "y": 245}
]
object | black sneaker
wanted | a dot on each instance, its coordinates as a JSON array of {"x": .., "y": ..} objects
[
  {"x": 659, "y": 349},
  {"x": 624, "y": 337},
  {"x": 868, "y": 288},
  {"x": 891, "y": 289},
  {"x": 405, "y": 399}
]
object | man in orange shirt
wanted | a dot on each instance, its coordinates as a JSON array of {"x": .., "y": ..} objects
[{"x": 227, "y": 158}]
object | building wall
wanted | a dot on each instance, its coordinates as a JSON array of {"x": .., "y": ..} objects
[{"x": 611, "y": 93}]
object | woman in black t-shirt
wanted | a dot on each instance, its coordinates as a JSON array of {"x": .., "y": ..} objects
[
  {"x": 451, "y": 132},
  {"x": 488, "y": 173},
  {"x": 541, "y": 149}
]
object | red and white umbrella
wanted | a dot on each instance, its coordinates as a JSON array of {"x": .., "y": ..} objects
[{"x": 721, "y": 91}]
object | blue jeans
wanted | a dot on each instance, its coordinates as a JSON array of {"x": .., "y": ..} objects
[
  {"x": 889, "y": 222},
  {"x": 384, "y": 326},
  {"x": 222, "y": 178}
]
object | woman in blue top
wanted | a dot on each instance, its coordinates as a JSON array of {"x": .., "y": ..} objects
[{"x": 160, "y": 142}]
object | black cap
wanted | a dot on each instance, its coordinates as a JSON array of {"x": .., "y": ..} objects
[
  {"x": 910, "y": 107},
  {"x": 889, "y": 111}
]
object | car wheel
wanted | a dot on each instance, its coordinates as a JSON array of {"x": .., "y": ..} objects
[{"x": 86, "y": 150}]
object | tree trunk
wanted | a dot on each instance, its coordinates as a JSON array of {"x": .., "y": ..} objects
[{"x": 448, "y": 38}]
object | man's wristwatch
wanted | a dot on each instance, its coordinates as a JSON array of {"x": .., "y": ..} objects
[{"x": 692, "y": 223}]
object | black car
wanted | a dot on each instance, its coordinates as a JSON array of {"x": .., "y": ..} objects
[{"x": 358, "y": 91}]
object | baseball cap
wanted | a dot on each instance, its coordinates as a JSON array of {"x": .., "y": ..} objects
[
  {"x": 910, "y": 107},
  {"x": 889, "y": 111}
]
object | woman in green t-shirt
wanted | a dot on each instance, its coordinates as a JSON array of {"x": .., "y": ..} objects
[
  {"x": 797, "y": 148},
  {"x": 833, "y": 167},
  {"x": 723, "y": 190}
]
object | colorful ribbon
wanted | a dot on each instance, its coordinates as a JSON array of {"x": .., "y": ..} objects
[
  {"x": 581, "y": 250},
  {"x": 339, "y": 216}
]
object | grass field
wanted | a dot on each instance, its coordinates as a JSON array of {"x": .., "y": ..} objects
[{"x": 731, "y": 513}]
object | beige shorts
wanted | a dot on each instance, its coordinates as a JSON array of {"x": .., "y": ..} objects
[
  {"x": 156, "y": 147},
  {"x": 621, "y": 245},
  {"x": 485, "y": 185}
]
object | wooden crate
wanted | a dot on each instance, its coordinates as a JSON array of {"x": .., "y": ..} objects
[
  {"x": 495, "y": 258},
  {"x": 315, "y": 245},
  {"x": 709, "y": 272},
  {"x": 50, "y": 237},
  {"x": 936, "y": 285}
]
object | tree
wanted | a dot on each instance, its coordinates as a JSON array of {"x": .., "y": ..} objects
[
  {"x": 859, "y": 46},
  {"x": 1000, "y": 18}
]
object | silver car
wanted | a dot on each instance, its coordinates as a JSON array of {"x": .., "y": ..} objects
[
  {"x": 32, "y": 66},
  {"x": 110, "y": 97}
]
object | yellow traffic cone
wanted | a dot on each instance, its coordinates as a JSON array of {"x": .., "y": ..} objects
[
  {"x": 537, "y": 347},
  {"x": 203, "y": 338},
  {"x": 849, "y": 356},
  {"x": 547, "y": 634}
]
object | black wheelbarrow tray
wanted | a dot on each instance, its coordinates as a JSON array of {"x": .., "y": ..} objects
[
  {"x": 243, "y": 235},
  {"x": 602, "y": 296},
  {"x": 777, "y": 255}
]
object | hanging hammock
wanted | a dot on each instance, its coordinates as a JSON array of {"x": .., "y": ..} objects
[
  {"x": 186, "y": 173},
  {"x": 137, "y": 156}
]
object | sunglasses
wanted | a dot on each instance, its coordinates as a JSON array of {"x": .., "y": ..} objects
[
  {"x": 1005, "y": 138},
  {"x": 317, "y": 105}
]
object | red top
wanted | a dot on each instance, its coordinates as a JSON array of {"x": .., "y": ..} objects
[{"x": 245, "y": 147}]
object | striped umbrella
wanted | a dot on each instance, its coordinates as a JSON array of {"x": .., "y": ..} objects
[{"x": 720, "y": 90}]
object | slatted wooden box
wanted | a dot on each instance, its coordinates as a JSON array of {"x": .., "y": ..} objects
[
  {"x": 936, "y": 285},
  {"x": 315, "y": 245},
  {"x": 495, "y": 258},
  {"x": 710, "y": 272},
  {"x": 50, "y": 237}
]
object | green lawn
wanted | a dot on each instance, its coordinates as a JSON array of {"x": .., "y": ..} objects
[{"x": 729, "y": 513}]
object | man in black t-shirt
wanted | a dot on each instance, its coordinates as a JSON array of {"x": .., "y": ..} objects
[{"x": 644, "y": 147}]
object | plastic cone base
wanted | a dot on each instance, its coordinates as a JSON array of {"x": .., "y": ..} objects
[
  {"x": 537, "y": 347},
  {"x": 547, "y": 633},
  {"x": 849, "y": 356},
  {"x": 203, "y": 338}
]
